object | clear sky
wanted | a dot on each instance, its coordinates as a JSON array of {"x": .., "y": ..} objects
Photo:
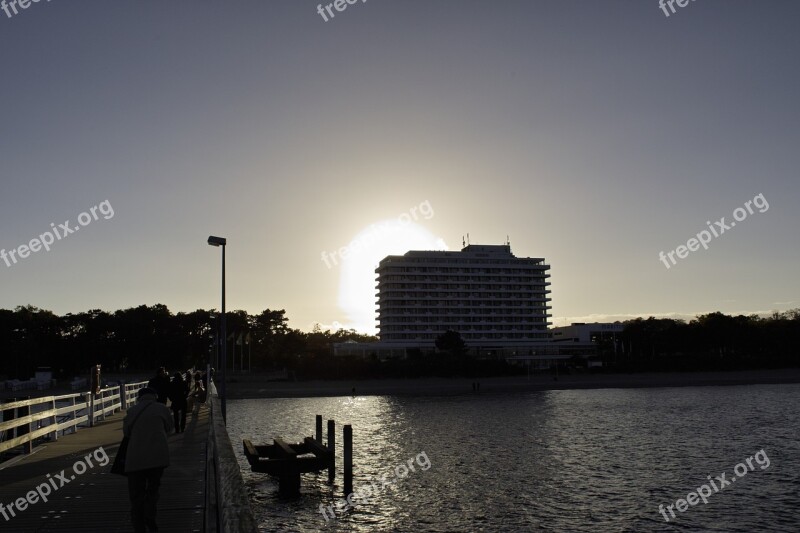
[{"x": 595, "y": 134}]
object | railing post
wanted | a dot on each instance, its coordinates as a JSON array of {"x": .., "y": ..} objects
[
  {"x": 102, "y": 416},
  {"x": 24, "y": 429},
  {"x": 91, "y": 409},
  {"x": 123, "y": 396},
  {"x": 74, "y": 414},
  {"x": 9, "y": 414},
  {"x": 55, "y": 420}
]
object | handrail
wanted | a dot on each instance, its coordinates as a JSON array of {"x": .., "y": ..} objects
[{"x": 23, "y": 421}]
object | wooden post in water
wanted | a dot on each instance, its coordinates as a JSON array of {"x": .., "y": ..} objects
[
  {"x": 332, "y": 448},
  {"x": 348, "y": 459},
  {"x": 319, "y": 429},
  {"x": 289, "y": 477}
]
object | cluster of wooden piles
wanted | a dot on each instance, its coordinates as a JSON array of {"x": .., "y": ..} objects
[{"x": 287, "y": 461}]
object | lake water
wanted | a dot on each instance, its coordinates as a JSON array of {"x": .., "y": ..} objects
[{"x": 582, "y": 460}]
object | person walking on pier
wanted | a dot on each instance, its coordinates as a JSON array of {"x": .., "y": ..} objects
[
  {"x": 160, "y": 383},
  {"x": 198, "y": 393},
  {"x": 147, "y": 424},
  {"x": 178, "y": 391}
]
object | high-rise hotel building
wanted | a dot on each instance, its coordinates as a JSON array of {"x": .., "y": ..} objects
[{"x": 484, "y": 292}]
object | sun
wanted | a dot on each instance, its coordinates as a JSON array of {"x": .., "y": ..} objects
[{"x": 357, "y": 284}]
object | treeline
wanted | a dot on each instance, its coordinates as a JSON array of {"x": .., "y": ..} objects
[
  {"x": 143, "y": 338},
  {"x": 709, "y": 342},
  {"x": 140, "y": 339}
]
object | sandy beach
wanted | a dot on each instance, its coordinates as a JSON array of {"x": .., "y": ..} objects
[{"x": 241, "y": 387}]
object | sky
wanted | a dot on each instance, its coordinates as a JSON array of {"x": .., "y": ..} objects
[{"x": 594, "y": 134}]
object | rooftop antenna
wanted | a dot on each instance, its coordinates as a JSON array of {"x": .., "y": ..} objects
[
  {"x": 463, "y": 244},
  {"x": 467, "y": 238},
  {"x": 508, "y": 241}
]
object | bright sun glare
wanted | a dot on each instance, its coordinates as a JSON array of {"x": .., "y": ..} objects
[{"x": 357, "y": 285}]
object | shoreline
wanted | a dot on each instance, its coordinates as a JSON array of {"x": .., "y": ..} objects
[{"x": 250, "y": 387}]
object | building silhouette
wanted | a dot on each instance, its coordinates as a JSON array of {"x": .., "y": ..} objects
[
  {"x": 485, "y": 293},
  {"x": 497, "y": 302}
]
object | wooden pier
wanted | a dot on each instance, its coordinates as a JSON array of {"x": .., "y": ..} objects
[
  {"x": 201, "y": 491},
  {"x": 97, "y": 501}
]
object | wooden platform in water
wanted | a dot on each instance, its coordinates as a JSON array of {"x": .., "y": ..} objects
[{"x": 97, "y": 501}]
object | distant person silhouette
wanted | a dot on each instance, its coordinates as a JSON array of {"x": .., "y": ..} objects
[
  {"x": 197, "y": 395},
  {"x": 178, "y": 393},
  {"x": 160, "y": 384},
  {"x": 147, "y": 424}
]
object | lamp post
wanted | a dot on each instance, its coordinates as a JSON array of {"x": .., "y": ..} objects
[{"x": 221, "y": 241}]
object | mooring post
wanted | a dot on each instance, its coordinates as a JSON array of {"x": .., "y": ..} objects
[
  {"x": 348, "y": 460},
  {"x": 319, "y": 429},
  {"x": 332, "y": 448}
]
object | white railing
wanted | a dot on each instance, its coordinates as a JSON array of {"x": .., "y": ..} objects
[{"x": 24, "y": 421}]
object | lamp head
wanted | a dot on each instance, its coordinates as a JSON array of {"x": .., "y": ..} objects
[{"x": 217, "y": 241}]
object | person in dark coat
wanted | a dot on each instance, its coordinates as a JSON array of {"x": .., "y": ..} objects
[
  {"x": 147, "y": 424},
  {"x": 160, "y": 384},
  {"x": 178, "y": 391}
]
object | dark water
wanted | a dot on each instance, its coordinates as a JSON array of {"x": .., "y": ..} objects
[{"x": 589, "y": 460}]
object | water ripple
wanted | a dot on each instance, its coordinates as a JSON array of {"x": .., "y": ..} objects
[{"x": 582, "y": 461}]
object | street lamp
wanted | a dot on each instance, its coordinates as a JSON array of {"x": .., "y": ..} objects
[{"x": 221, "y": 241}]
